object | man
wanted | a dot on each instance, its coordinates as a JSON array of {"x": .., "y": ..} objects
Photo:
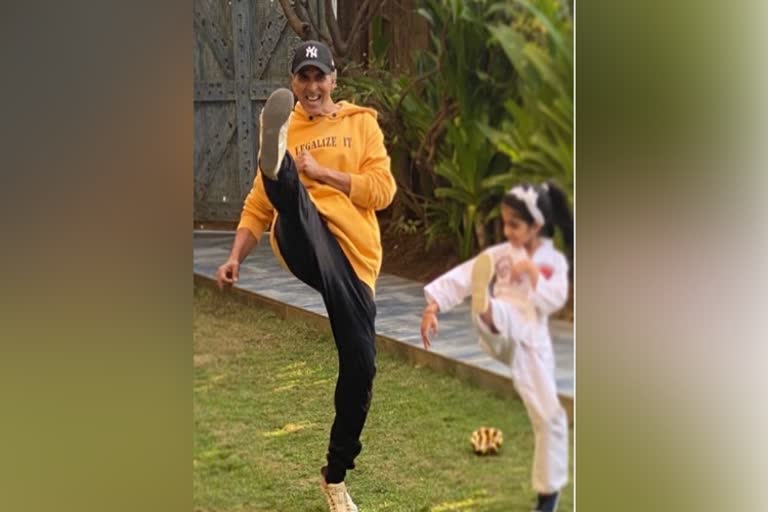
[{"x": 323, "y": 172}]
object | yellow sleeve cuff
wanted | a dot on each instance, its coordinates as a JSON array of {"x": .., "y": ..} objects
[
  {"x": 357, "y": 192},
  {"x": 254, "y": 225}
]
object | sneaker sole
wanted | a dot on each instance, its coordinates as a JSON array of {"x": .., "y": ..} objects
[
  {"x": 481, "y": 276},
  {"x": 276, "y": 112}
]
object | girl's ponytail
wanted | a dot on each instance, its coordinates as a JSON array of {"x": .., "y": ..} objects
[{"x": 559, "y": 214}]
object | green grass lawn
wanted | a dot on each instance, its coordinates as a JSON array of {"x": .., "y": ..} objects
[{"x": 263, "y": 405}]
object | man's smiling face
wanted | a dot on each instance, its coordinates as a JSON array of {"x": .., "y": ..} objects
[{"x": 313, "y": 89}]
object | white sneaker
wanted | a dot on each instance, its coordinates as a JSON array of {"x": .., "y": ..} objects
[
  {"x": 482, "y": 271},
  {"x": 273, "y": 131},
  {"x": 338, "y": 498}
]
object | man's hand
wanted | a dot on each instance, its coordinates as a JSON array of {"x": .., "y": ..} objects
[
  {"x": 307, "y": 164},
  {"x": 227, "y": 274}
]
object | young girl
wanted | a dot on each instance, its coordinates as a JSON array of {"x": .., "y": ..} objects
[{"x": 515, "y": 286}]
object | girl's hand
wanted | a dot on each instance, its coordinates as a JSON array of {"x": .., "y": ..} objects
[
  {"x": 429, "y": 325},
  {"x": 528, "y": 267}
]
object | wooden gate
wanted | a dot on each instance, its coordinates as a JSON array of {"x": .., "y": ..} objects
[{"x": 243, "y": 50}]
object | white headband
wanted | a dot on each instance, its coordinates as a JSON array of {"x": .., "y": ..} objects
[{"x": 529, "y": 196}]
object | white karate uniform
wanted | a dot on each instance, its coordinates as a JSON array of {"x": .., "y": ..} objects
[{"x": 524, "y": 344}]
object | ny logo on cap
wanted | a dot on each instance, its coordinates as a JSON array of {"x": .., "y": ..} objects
[{"x": 311, "y": 52}]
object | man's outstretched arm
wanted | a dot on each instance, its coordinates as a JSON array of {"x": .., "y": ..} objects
[{"x": 228, "y": 273}]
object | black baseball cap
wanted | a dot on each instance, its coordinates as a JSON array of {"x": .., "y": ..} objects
[{"x": 313, "y": 53}]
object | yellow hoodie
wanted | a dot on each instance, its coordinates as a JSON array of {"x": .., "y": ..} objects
[{"x": 348, "y": 141}]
